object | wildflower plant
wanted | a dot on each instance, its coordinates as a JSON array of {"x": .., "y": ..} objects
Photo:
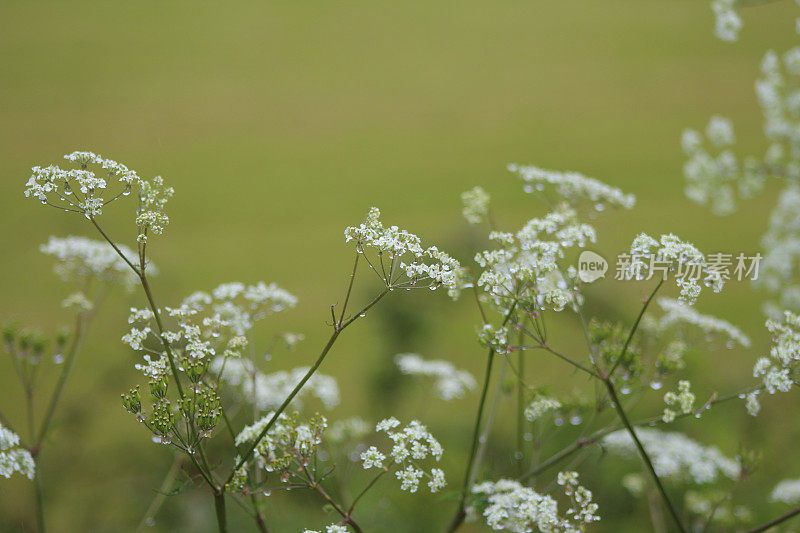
[{"x": 248, "y": 430}]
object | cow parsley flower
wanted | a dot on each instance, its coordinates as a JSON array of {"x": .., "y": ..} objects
[
  {"x": 372, "y": 457},
  {"x": 677, "y": 314},
  {"x": 787, "y": 491},
  {"x": 12, "y": 457},
  {"x": 411, "y": 445},
  {"x": 96, "y": 182},
  {"x": 449, "y": 382},
  {"x": 573, "y": 187},
  {"x": 401, "y": 260},
  {"x": 476, "y": 205},
  {"x": 779, "y": 370},
  {"x": 676, "y": 456},
  {"x": 727, "y": 21},
  {"x": 525, "y": 266},
  {"x": 514, "y": 507},
  {"x": 671, "y": 254}
]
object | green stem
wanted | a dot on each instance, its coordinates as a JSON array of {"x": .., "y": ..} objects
[
  {"x": 460, "y": 514},
  {"x": 634, "y": 328},
  {"x": 624, "y": 417},
  {"x": 335, "y": 335},
  {"x": 774, "y": 522},
  {"x": 69, "y": 364}
]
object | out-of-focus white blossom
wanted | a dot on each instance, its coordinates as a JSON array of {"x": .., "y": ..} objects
[
  {"x": 780, "y": 267},
  {"x": 682, "y": 400},
  {"x": 674, "y": 455},
  {"x": 80, "y": 259},
  {"x": 677, "y": 314},
  {"x": 267, "y": 391},
  {"x": 727, "y": 21},
  {"x": 541, "y": 405},
  {"x": 787, "y": 491},
  {"x": 779, "y": 370},
  {"x": 476, "y": 205},
  {"x": 449, "y": 382},
  {"x": 573, "y": 187}
]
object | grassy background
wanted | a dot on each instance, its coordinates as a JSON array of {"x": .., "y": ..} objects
[{"x": 280, "y": 124}]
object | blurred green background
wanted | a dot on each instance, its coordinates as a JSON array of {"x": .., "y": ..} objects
[{"x": 280, "y": 123}]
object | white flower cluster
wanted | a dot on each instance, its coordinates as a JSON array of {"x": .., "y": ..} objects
[
  {"x": 717, "y": 179},
  {"x": 777, "y": 92},
  {"x": 573, "y": 187},
  {"x": 674, "y": 455},
  {"x": 79, "y": 259},
  {"x": 400, "y": 253},
  {"x": 12, "y": 457},
  {"x": 450, "y": 383},
  {"x": 677, "y": 314},
  {"x": 779, "y": 370},
  {"x": 727, "y": 22},
  {"x": 779, "y": 269},
  {"x": 476, "y": 205},
  {"x": 412, "y": 444},
  {"x": 267, "y": 391},
  {"x": 514, "y": 507},
  {"x": 787, "y": 491},
  {"x": 673, "y": 254},
  {"x": 541, "y": 405},
  {"x": 683, "y": 400},
  {"x": 85, "y": 189},
  {"x": 583, "y": 509},
  {"x": 526, "y": 264}
]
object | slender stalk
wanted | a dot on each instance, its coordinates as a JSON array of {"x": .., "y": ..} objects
[
  {"x": 140, "y": 271},
  {"x": 460, "y": 514},
  {"x": 591, "y": 439},
  {"x": 648, "y": 463},
  {"x": 571, "y": 361},
  {"x": 335, "y": 335},
  {"x": 339, "y": 509},
  {"x": 634, "y": 328},
  {"x": 366, "y": 489},
  {"x": 520, "y": 406},
  {"x": 161, "y": 494},
  {"x": 775, "y": 521},
  {"x": 69, "y": 364}
]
